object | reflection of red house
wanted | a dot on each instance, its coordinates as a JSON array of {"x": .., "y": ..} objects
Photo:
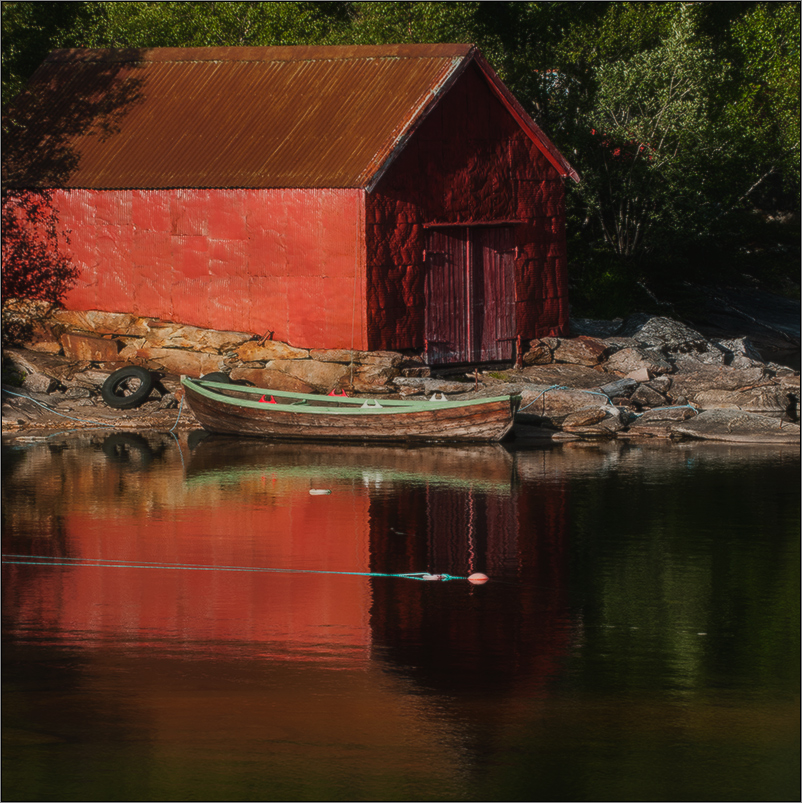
[
  {"x": 343, "y": 197},
  {"x": 515, "y": 626},
  {"x": 215, "y": 607},
  {"x": 248, "y": 505}
]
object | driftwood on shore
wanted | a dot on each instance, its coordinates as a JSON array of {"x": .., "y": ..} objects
[{"x": 654, "y": 378}]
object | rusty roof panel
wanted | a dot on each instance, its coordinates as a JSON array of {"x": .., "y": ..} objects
[
  {"x": 258, "y": 117},
  {"x": 223, "y": 117}
]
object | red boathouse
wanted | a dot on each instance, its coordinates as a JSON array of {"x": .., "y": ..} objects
[{"x": 364, "y": 197}]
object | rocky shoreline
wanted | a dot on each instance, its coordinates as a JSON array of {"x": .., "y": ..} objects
[{"x": 646, "y": 377}]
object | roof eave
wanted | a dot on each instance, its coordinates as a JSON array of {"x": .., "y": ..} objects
[
  {"x": 418, "y": 115},
  {"x": 530, "y": 127}
]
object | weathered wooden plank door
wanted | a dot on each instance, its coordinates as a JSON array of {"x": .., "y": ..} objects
[
  {"x": 446, "y": 296},
  {"x": 470, "y": 294},
  {"x": 493, "y": 256}
]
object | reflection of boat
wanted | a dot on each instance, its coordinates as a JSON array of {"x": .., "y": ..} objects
[
  {"x": 478, "y": 466},
  {"x": 237, "y": 410}
]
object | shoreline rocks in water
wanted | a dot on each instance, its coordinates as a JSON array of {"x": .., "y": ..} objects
[{"x": 646, "y": 377}]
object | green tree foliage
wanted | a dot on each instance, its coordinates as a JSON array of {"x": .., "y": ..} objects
[
  {"x": 649, "y": 135},
  {"x": 30, "y": 31},
  {"x": 213, "y": 24},
  {"x": 765, "y": 108}
]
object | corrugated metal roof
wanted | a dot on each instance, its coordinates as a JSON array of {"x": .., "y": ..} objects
[{"x": 261, "y": 117}]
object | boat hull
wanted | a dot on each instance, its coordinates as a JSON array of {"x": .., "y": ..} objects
[{"x": 439, "y": 422}]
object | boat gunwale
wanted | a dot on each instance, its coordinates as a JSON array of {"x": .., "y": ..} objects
[{"x": 385, "y": 406}]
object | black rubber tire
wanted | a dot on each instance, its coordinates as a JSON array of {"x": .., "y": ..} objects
[
  {"x": 129, "y": 449},
  {"x": 118, "y": 393}
]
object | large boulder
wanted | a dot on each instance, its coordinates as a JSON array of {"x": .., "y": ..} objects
[
  {"x": 427, "y": 385},
  {"x": 274, "y": 380},
  {"x": 647, "y": 397},
  {"x": 598, "y": 422},
  {"x": 178, "y": 336},
  {"x": 39, "y": 383},
  {"x": 541, "y": 351},
  {"x": 658, "y": 332},
  {"x": 768, "y": 399},
  {"x": 102, "y": 323},
  {"x": 374, "y": 379},
  {"x": 632, "y": 360},
  {"x": 552, "y": 405},
  {"x": 173, "y": 361},
  {"x": 658, "y": 423},
  {"x": 740, "y": 352},
  {"x": 43, "y": 337},
  {"x": 575, "y": 376},
  {"x": 621, "y": 387},
  {"x": 693, "y": 377},
  {"x": 669, "y": 413},
  {"x": 323, "y": 376},
  {"x": 92, "y": 349},
  {"x": 738, "y": 427},
  {"x": 346, "y": 356},
  {"x": 257, "y": 351},
  {"x": 585, "y": 417},
  {"x": 613, "y": 344},
  {"x": 580, "y": 351}
]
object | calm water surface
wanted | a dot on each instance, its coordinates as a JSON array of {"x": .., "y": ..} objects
[{"x": 638, "y": 639}]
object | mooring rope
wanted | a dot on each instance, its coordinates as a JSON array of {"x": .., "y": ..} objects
[
  {"x": 600, "y": 393},
  {"x": 563, "y": 387},
  {"x": 180, "y": 408},
  {"x": 52, "y": 410},
  {"x": 45, "y": 560},
  {"x": 85, "y": 420}
]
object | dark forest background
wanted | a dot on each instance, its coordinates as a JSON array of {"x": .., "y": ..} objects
[{"x": 681, "y": 118}]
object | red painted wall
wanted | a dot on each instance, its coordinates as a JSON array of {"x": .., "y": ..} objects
[
  {"x": 284, "y": 261},
  {"x": 333, "y": 268},
  {"x": 468, "y": 161}
]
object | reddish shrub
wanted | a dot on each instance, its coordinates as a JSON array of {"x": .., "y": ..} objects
[{"x": 34, "y": 265}]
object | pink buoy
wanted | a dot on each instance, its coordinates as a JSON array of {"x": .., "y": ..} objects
[{"x": 478, "y": 578}]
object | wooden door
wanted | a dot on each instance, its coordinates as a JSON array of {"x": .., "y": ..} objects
[
  {"x": 446, "y": 296},
  {"x": 470, "y": 294},
  {"x": 493, "y": 317}
]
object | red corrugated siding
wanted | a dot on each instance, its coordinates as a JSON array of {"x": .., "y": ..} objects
[
  {"x": 469, "y": 161},
  {"x": 286, "y": 261}
]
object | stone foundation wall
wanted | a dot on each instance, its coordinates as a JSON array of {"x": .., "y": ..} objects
[{"x": 116, "y": 339}]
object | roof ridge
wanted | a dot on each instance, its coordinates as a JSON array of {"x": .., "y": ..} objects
[{"x": 260, "y": 53}]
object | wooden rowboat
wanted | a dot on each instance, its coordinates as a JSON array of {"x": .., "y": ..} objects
[{"x": 237, "y": 410}]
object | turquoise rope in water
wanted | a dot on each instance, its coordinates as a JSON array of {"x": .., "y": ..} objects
[{"x": 37, "y": 560}]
